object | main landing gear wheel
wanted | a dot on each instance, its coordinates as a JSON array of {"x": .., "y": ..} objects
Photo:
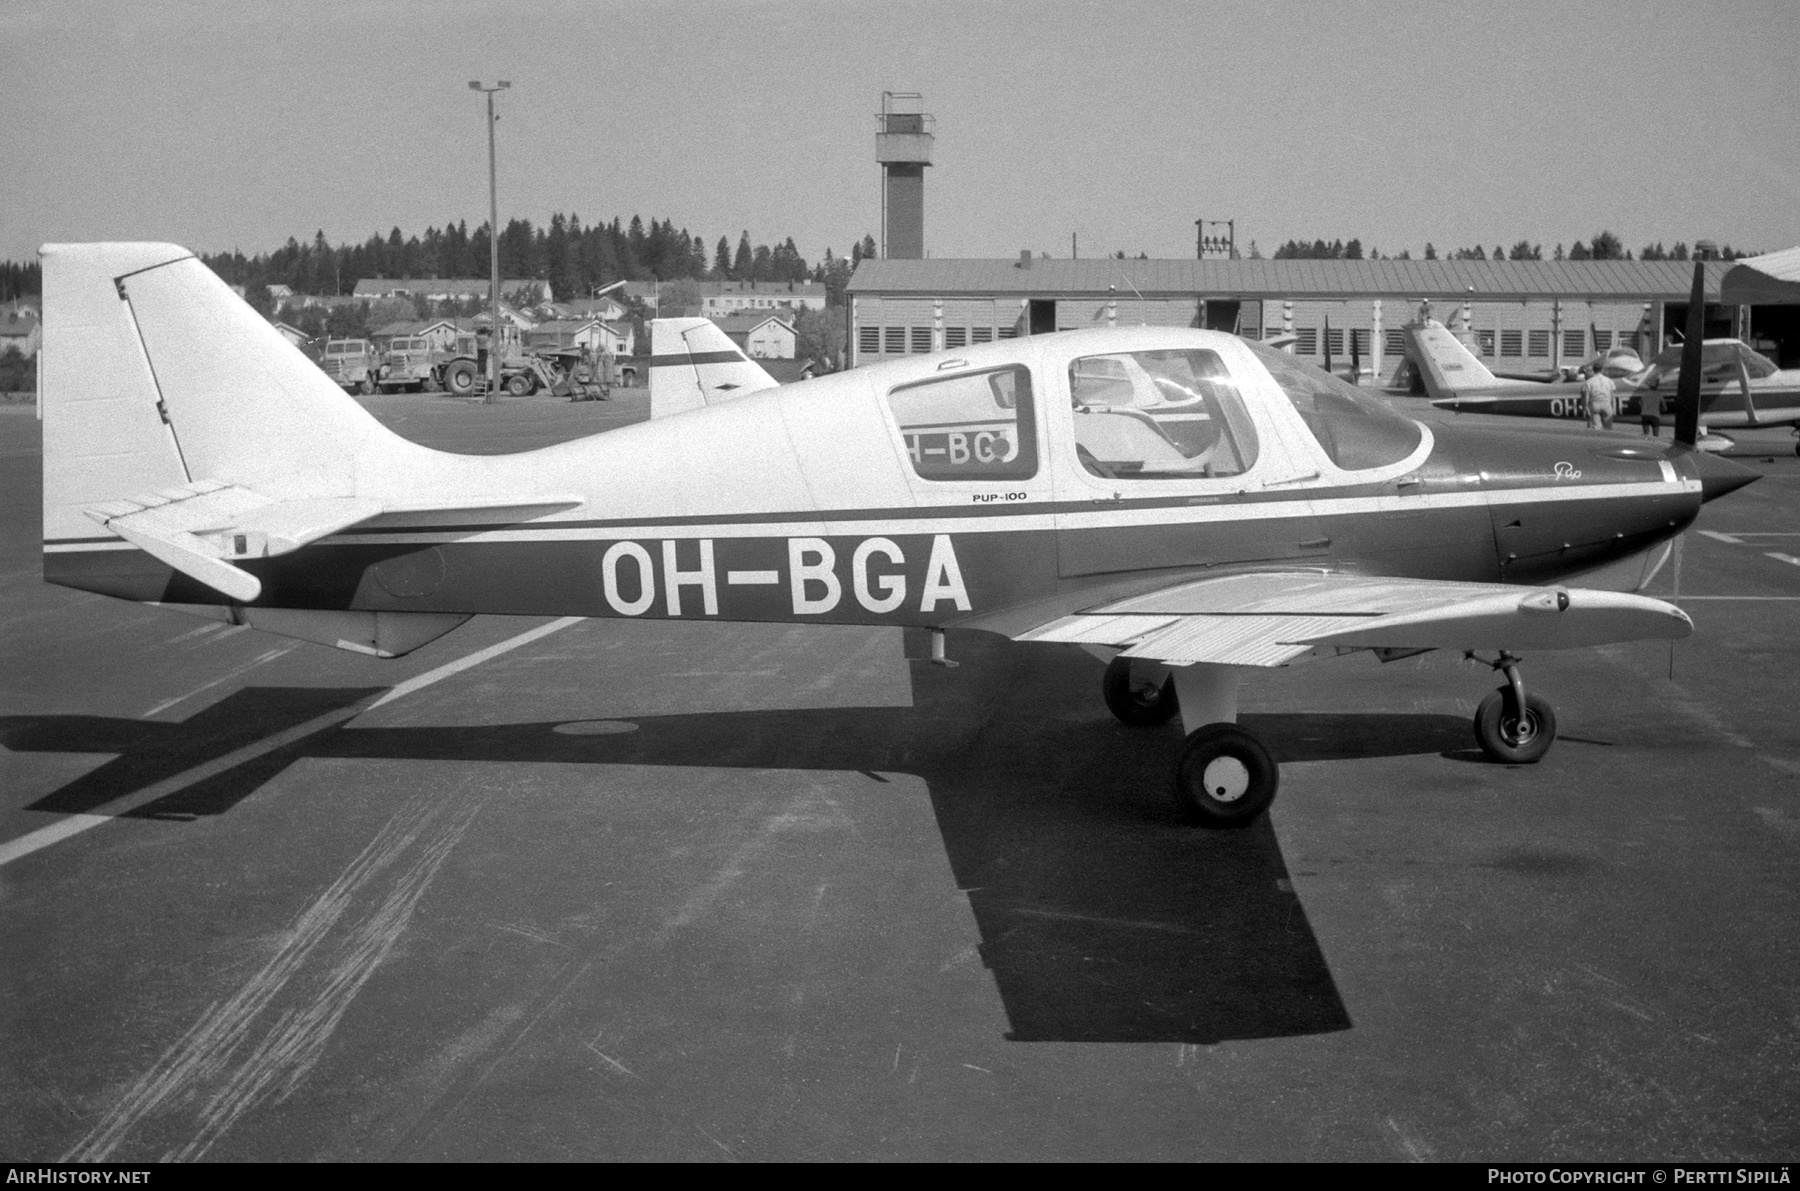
[
  {"x": 1225, "y": 777},
  {"x": 1509, "y": 737},
  {"x": 1138, "y": 701}
]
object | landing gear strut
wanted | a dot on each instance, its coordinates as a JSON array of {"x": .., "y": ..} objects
[{"x": 1512, "y": 726}]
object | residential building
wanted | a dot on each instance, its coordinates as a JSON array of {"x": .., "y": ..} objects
[
  {"x": 762, "y": 336},
  {"x": 440, "y": 331},
  {"x": 604, "y": 307},
  {"x": 21, "y": 331},
  {"x": 592, "y": 334},
  {"x": 719, "y": 298},
  {"x": 531, "y": 290}
]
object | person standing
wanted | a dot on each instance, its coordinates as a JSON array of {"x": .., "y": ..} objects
[
  {"x": 1597, "y": 392},
  {"x": 1650, "y": 404}
]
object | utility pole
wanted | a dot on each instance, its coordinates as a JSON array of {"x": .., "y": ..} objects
[{"x": 493, "y": 388}]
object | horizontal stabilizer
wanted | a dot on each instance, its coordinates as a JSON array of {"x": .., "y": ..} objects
[{"x": 202, "y": 528}]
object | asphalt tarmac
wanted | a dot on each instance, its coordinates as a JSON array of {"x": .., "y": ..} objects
[{"x": 667, "y": 891}]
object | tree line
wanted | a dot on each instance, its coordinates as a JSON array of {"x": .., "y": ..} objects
[
  {"x": 1602, "y": 246},
  {"x": 576, "y": 259}
]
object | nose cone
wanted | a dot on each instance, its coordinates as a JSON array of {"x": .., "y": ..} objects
[{"x": 1718, "y": 476}]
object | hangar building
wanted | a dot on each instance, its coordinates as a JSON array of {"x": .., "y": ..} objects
[{"x": 1527, "y": 315}]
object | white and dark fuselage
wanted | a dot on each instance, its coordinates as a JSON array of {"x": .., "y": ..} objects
[{"x": 822, "y": 502}]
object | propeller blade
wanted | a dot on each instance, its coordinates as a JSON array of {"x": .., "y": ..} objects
[
  {"x": 1687, "y": 390},
  {"x": 1328, "y": 343}
]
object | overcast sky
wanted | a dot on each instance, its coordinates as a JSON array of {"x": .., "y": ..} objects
[{"x": 221, "y": 125}]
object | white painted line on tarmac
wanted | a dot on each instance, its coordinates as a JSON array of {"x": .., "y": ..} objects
[
  {"x": 475, "y": 659},
  {"x": 1716, "y": 536},
  {"x": 62, "y": 829},
  {"x": 1779, "y": 557}
]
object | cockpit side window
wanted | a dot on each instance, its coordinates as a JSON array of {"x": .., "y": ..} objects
[
  {"x": 970, "y": 426},
  {"x": 1357, "y": 431},
  {"x": 1159, "y": 415}
]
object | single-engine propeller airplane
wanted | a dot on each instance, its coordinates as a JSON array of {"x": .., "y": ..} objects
[
  {"x": 1192, "y": 505},
  {"x": 1739, "y": 387}
]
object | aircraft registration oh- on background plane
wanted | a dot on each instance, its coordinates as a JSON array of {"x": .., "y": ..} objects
[
  {"x": 1739, "y": 386},
  {"x": 1190, "y": 504}
]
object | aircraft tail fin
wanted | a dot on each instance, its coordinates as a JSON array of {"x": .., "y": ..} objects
[
  {"x": 1443, "y": 362},
  {"x": 694, "y": 364},
  {"x": 157, "y": 378}
]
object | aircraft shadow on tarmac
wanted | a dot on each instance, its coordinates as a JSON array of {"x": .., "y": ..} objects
[{"x": 1102, "y": 917}]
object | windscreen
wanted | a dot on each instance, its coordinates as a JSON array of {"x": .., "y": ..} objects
[{"x": 1357, "y": 431}]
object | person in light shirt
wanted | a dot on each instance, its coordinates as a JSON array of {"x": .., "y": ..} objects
[{"x": 1598, "y": 393}]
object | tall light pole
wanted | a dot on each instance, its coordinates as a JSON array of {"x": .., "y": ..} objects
[{"x": 493, "y": 388}]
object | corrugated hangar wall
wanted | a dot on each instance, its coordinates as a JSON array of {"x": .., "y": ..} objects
[
  {"x": 1526, "y": 315},
  {"x": 1531, "y": 334}
]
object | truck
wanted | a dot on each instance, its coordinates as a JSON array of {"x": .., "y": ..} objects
[
  {"x": 352, "y": 363},
  {"x": 409, "y": 363},
  {"x": 461, "y": 369}
]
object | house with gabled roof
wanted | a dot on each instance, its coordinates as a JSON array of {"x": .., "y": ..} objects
[
  {"x": 762, "y": 336},
  {"x": 292, "y": 334},
  {"x": 21, "y": 331},
  {"x": 440, "y": 331},
  {"x": 591, "y": 334},
  {"x": 605, "y": 306}
]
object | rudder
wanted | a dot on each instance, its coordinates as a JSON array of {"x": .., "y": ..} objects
[{"x": 157, "y": 375}]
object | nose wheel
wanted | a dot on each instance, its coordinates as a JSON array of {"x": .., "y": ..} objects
[{"x": 1513, "y": 726}]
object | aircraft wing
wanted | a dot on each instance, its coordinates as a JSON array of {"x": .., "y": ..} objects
[
  {"x": 202, "y": 528},
  {"x": 1272, "y": 618}
]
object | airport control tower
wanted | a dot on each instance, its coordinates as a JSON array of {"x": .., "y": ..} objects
[{"x": 903, "y": 147}]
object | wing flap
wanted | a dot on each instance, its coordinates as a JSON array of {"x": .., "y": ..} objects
[
  {"x": 1302, "y": 593},
  {"x": 1235, "y": 640},
  {"x": 1097, "y": 630}
]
